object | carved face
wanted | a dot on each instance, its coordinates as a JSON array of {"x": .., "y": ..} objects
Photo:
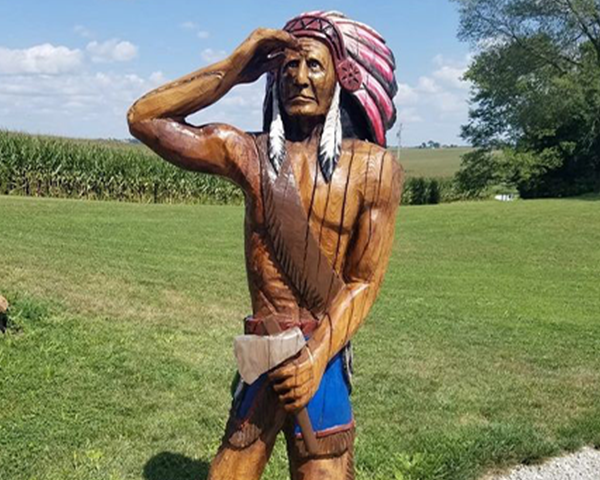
[{"x": 307, "y": 79}]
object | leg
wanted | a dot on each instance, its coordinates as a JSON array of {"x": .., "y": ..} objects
[
  {"x": 325, "y": 468},
  {"x": 242, "y": 464},
  {"x": 336, "y": 462},
  {"x": 246, "y": 448}
]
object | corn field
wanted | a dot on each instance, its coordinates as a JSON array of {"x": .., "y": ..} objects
[
  {"x": 109, "y": 170},
  {"x": 101, "y": 170}
]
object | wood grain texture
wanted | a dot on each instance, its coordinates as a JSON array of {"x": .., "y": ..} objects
[{"x": 316, "y": 251}]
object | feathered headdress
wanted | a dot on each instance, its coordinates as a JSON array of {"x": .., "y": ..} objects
[{"x": 364, "y": 67}]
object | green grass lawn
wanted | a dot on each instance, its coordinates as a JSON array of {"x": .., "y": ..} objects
[
  {"x": 482, "y": 351},
  {"x": 442, "y": 162}
]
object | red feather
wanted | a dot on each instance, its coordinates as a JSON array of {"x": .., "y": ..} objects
[
  {"x": 367, "y": 56},
  {"x": 373, "y": 114},
  {"x": 351, "y": 29},
  {"x": 381, "y": 97}
]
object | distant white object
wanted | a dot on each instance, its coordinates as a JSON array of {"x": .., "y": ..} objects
[{"x": 506, "y": 197}]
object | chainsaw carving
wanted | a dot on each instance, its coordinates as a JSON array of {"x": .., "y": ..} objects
[{"x": 321, "y": 198}]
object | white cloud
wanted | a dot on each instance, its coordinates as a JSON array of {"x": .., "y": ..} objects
[
  {"x": 241, "y": 107},
  {"x": 246, "y": 96},
  {"x": 188, "y": 26},
  {"x": 113, "y": 50},
  {"x": 448, "y": 102},
  {"x": 158, "y": 78},
  {"x": 406, "y": 95},
  {"x": 211, "y": 56},
  {"x": 436, "y": 105},
  {"x": 40, "y": 59},
  {"x": 194, "y": 27},
  {"x": 83, "y": 31},
  {"x": 452, "y": 76},
  {"x": 95, "y": 104},
  {"x": 81, "y": 103},
  {"x": 84, "y": 104},
  {"x": 427, "y": 85},
  {"x": 409, "y": 115},
  {"x": 86, "y": 88},
  {"x": 450, "y": 72}
]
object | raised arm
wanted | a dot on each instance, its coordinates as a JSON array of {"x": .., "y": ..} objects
[
  {"x": 363, "y": 274},
  {"x": 158, "y": 118}
]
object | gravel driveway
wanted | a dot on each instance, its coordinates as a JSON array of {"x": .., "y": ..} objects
[{"x": 583, "y": 465}]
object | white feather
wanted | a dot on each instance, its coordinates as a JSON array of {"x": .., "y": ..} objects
[
  {"x": 331, "y": 138},
  {"x": 276, "y": 133}
]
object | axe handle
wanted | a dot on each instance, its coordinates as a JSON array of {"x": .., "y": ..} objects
[{"x": 308, "y": 434}]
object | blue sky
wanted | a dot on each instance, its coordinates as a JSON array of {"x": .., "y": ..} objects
[{"x": 72, "y": 67}]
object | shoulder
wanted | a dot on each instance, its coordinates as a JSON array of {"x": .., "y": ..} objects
[
  {"x": 229, "y": 134},
  {"x": 242, "y": 151},
  {"x": 378, "y": 160},
  {"x": 242, "y": 147},
  {"x": 381, "y": 171}
]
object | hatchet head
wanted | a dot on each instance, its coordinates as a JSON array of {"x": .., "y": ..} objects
[{"x": 257, "y": 354}]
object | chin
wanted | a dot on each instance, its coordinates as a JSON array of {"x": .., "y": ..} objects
[{"x": 302, "y": 111}]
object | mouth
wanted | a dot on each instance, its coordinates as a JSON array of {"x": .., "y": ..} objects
[{"x": 302, "y": 99}]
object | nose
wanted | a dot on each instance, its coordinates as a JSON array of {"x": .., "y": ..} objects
[{"x": 301, "y": 79}]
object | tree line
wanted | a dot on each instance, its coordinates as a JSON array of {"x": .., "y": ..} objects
[{"x": 535, "y": 116}]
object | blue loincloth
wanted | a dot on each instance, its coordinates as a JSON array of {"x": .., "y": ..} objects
[{"x": 329, "y": 410}]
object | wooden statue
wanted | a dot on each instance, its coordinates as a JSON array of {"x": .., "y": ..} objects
[{"x": 321, "y": 197}]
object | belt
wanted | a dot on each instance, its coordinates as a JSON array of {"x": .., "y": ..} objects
[{"x": 256, "y": 326}]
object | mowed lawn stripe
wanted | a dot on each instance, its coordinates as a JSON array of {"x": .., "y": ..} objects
[
  {"x": 428, "y": 162},
  {"x": 483, "y": 349}
]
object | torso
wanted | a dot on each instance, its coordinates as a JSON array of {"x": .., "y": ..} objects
[{"x": 332, "y": 209}]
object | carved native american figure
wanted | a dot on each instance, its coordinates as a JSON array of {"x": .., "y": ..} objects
[{"x": 321, "y": 197}]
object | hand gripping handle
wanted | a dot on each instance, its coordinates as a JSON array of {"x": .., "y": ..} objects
[{"x": 308, "y": 434}]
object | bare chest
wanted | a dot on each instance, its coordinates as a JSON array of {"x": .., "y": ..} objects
[
  {"x": 297, "y": 218},
  {"x": 331, "y": 208}
]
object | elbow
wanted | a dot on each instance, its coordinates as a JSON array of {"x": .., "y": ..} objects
[
  {"x": 136, "y": 131},
  {"x": 138, "y": 128},
  {"x": 133, "y": 120}
]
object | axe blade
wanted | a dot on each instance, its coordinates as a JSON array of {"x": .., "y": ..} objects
[{"x": 257, "y": 354}]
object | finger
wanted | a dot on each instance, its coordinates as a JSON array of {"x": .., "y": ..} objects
[
  {"x": 280, "y": 388},
  {"x": 289, "y": 397},
  {"x": 280, "y": 374},
  {"x": 294, "y": 395},
  {"x": 274, "y": 38},
  {"x": 299, "y": 375},
  {"x": 285, "y": 39},
  {"x": 290, "y": 368},
  {"x": 293, "y": 382},
  {"x": 284, "y": 371},
  {"x": 288, "y": 373},
  {"x": 296, "y": 406}
]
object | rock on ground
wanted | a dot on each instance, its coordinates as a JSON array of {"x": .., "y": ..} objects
[
  {"x": 3, "y": 304},
  {"x": 3, "y": 317},
  {"x": 582, "y": 465}
]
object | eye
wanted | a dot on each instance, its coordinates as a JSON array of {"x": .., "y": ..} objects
[
  {"x": 314, "y": 64},
  {"x": 291, "y": 64}
]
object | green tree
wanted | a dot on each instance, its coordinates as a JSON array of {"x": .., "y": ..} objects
[{"x": 536, "y": 95}]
